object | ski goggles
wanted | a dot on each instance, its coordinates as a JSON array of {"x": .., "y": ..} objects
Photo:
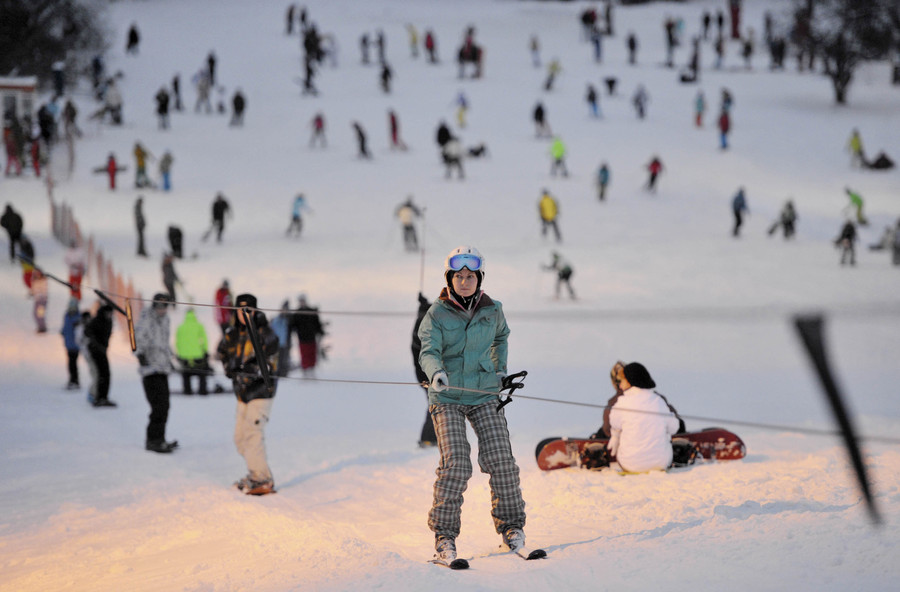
[{"x": 457, "y": 262}]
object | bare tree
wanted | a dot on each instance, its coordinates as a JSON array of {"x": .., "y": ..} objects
[
  {"x": 36, "y": 33},
  {"x": 847, "y": 32}
]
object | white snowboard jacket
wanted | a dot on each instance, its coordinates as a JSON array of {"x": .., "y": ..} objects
[{"x": 642, "y": 426}]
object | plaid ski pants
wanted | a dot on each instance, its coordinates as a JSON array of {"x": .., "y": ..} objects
[{"x": 494, "y": 458}]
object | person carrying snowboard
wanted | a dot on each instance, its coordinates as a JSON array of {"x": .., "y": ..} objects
[
  {"x": 254, "y": 397},
  {"x": 464, "y": 344}
]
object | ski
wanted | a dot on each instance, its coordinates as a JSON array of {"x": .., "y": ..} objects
[
  {"x": 523, "y": 552},
  {"x": 455, "y": 564}
]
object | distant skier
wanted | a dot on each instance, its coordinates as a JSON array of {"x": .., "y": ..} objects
[
  {"x": 553, "y": 70},
  {"x": 211, "y": 67},
  {"x": 407, "y": 212},
  {"x": 846, "y": 241},
  {"x": 724, "y": 129},
  {"x": 361, "y": 140},
  {"x": 563, "y": 274},
  {"x": 534, "y": 46},
  {"x": 558, "y": 154},
  {"x": 296, "y": 226},
  {"x": 170, "y": 276},
  {"x": 631, "y": 43},
  {"x": 238, "y": 104},
  {"x": 654, "y": 170},
  {"x": 165, "y": 170},
  {"x": 857, "y": 154},
  {"x": 111, "y": 169},
  {"x": 591, "y": 99},
  {"x": 738, "y": 207},
  {"x": 140, "y": 223},
  {"x": 856, "y": 204},
  {"x": 309, "y": 329},
  {"x": 387, "y": 75},
  {"x": 443, "y": 135},
  {"x": 786, "y": 220},
  {"x": 452, "y": 155},
  {"x": 223, "y": 312},
  {"x": 603, "y": 178},
  {"x": 176, "y": 241},
  {"x": 548, "y": 210},
  {"x": 220, "y": 209},
  {"x": 162, "y": 108},
  {"x": 462, "y": 108},
  {"x": 318, "y": 130},
  {"x": 141, "y": 155},
  {"x": 640, "y": 100},
  {"x": 176, "y": 92},
  {"x": 541, "y": 127},
  {"x": 76, "y": 261},
  {"x": 133, "y": 40},
  {"x": 431, "y": 46},
  {"x": 699, "y": 108},
  {"x": 394, "y": 128}
]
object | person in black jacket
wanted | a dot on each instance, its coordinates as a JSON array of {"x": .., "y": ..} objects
[
  {"x": 11, "y": 221},
  {"x": 428, "y": 437},
  {"x": 308, "y": 327},
  {"x": 254, "y": 395},
  {"x": 97, "y": 334}
]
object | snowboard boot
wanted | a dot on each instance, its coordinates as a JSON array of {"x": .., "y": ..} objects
[
  {"x": 260, "y": 487},
  {"x": 160, "y": 446},
  {"x": 243, "y": 483},
  {"x": 103, "y": 403},
  {"x": 514, "y": 538},
  {"x": 445, "y": 548}
]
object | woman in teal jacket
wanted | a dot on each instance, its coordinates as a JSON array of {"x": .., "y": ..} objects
[{"x": 464, "y": 346}]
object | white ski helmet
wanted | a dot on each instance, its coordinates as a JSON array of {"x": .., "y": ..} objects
[{"x": 464, "y": 256}]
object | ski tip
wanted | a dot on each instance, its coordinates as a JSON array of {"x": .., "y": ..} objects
[
  {"x": 536, "y": 554},
  {"x": 455, "y": 564}
]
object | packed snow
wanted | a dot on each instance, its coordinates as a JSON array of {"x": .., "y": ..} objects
[{"x": 658, "y": 275}]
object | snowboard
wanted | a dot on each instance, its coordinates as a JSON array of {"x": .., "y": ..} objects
[{"x": 711, "y": 443}]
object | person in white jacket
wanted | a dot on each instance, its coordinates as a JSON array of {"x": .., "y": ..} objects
[{"x": 641, "y": 423}]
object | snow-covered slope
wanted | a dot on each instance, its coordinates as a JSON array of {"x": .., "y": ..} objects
[{"x": 659, "y": 279}]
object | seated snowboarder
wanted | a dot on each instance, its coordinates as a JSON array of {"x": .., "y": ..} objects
[{"x": 643, "y": 433}]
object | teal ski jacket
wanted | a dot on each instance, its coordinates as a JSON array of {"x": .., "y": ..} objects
[{"x": 470, "y": 346}]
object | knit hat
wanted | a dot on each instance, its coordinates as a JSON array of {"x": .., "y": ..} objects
[
  {"x": 245, "y": 300},
  {"x": 637, "y": 375}
]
